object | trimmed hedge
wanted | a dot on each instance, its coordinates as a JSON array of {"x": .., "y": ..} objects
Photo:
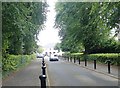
[
  {"x": 13, "y": 62},
  {"x": 114, "y": 57},
  {"x": 103, "y": 57}
]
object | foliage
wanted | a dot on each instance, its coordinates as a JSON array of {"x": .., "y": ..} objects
[
  {"x": 21, "y": 23},
  {"x": 113, "y": 57},
  {"x": 84, "y": 25},
  {"x": 12, "y": 62},
  {"x": 104, "y": 57},
  {"x": 40, "y": 49},
  {"x": 57, "y": 47}
]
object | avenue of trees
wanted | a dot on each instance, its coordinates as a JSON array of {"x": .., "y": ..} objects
[{"x": 86, "y": 26}]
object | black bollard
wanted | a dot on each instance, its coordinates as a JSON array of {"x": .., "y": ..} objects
[
  {"x": 68, "y": 59},
  {"x": 94, "y": 64},
  {"x": 109, "y": 66},
  {"x": 43, "y": 81},
  {"x": 43, "y": 70},
  {"x": 71, "y": 59},
  {"x": 43, "y": 63},
  {"x": 74, "y": 60},
  {"x": 85, "y": 62},
  {"x": 43, "y": 59},
  {"x": 79, "y": 60}
]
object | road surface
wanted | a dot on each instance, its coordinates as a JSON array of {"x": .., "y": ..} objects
[{"x": 61, "y": 73}]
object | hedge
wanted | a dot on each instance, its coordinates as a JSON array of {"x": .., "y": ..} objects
[
  {"x": 13, "y": 62},
  {"x": 114, "y": 57}
]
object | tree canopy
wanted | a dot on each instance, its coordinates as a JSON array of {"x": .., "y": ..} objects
[
  {"x": 21, "y": 23},
  {"x": 87, "y": 25}
]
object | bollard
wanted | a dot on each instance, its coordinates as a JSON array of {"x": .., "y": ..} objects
[
  {"x": 94, "y": 64},
  {"x": 74, "y": 59},
  {"x": 71, "y": 59},
  {"x": 85, "y": 62},
  {"x": 43, "y": 70},
  {"x": 108, "y": 61},
  {"x": 68, "y": 59},
  {"x": 79, "y": 60},
  {"x": 43, "y": 81},
  {"x": 43, "y": 60},
  {"x": 43, "y": 63}
]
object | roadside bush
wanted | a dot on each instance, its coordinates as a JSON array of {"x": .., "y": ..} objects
[
  {"x": 12, "y": 62},
  {"x": 114, "y": 57}
]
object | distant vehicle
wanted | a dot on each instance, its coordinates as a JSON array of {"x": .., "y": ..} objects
[
  {"x": 53, "y": 58},
  {"x": 40, "y": 56}
]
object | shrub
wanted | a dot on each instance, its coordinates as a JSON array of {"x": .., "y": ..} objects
[
  {"x": 113, "y": 57},
  {"x": 12, "y": 62},
  {"x": 103, "y": 57}
]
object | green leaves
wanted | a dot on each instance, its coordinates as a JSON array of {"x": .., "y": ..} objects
[
  {"x": 21, "y": 23},
  {"x": 85, "y": 23}
]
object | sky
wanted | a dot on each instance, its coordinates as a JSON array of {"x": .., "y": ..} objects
[{"x": 49, "y": 36}]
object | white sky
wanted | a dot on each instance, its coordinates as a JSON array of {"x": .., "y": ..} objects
[{"x": 49, "y": 36}]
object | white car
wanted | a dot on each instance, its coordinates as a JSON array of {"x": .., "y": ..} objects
[{"x": 53, "y": 58}]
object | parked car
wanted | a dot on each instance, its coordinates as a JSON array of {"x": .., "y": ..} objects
[{"x": 53, "y": 58}]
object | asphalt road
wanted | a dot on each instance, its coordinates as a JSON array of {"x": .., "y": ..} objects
[{"x": 61, "y": 73}]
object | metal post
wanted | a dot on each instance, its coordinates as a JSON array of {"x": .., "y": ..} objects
[
  {"x": 79, "y": 60},
  {"x": 43, "y": 63},
  {"x": 74, "y": 59},
  {"x": 109, "y": 66},
  {"x": 94, "y": 64},
  {"x": 43, "y": 81},
  {"x": 43, "y": 70},
  {"x": 71, "y": 59},
  {"x": 43, "y": 59},
  {"x": 85, "y": 62},
  {"x": 68, "y": 58}
]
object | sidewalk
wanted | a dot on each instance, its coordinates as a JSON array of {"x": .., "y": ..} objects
[
  {"x": 27, "y": 76},
  {"x": 100, "y": 68}
]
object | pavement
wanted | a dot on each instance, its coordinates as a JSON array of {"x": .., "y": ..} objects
[
  {"x": 100, "y": 68},
  {"x": 28, "y": 76}
]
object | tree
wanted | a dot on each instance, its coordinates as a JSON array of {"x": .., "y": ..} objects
[
  {"x": 21, "y": 23},
  {"x": 40, "y": 49},
  {"x": 57, "y": 47},
  {"x": 88, "y": 24}
]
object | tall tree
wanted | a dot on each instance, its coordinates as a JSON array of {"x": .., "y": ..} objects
[
  {"x": 86, "y": 23},
  {"x": 21, "y": 23}
]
